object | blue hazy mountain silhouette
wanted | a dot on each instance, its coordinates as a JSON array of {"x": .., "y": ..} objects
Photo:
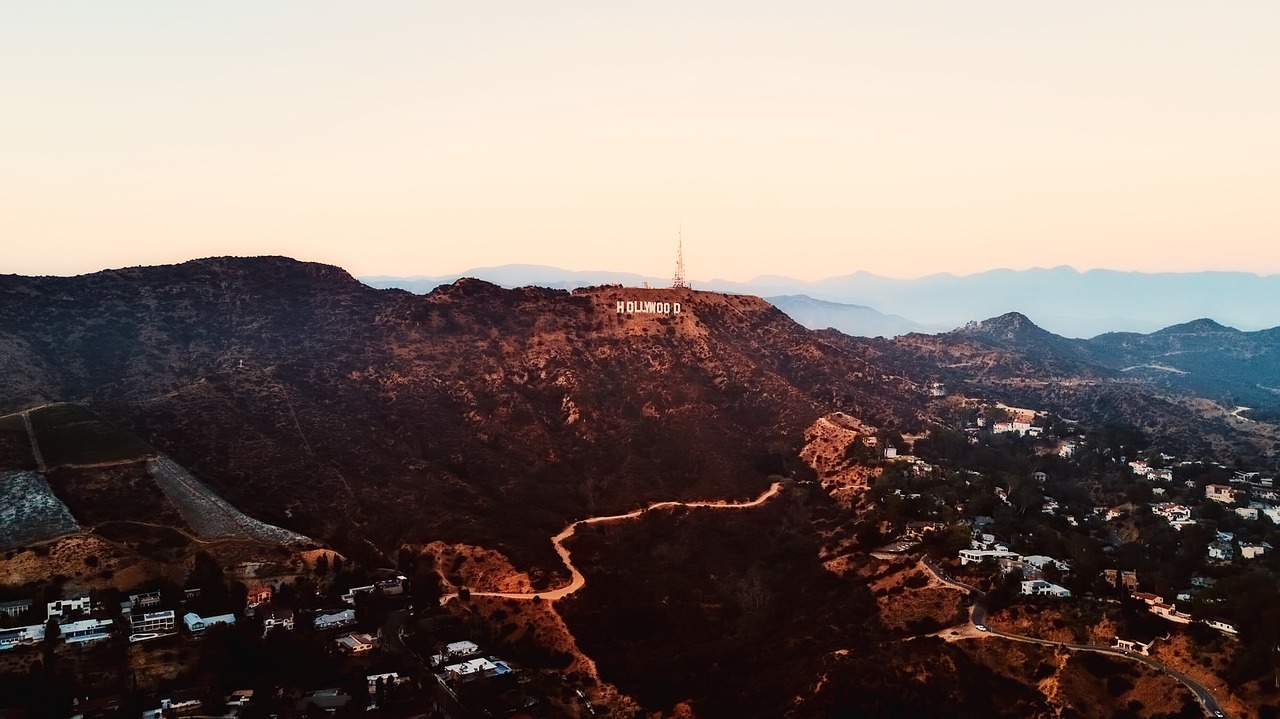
[{"x": 1062, "y": 300}]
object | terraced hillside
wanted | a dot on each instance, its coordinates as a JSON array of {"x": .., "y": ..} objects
[
  {"x": 208, "y": 514},
  {"x": 30, "y": 512}
]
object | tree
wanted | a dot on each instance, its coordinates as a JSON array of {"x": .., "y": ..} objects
[{"x": 322, "y": 565}]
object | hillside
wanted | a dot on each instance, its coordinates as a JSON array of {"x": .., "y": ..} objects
[
  {"x": 340, "y": 411},
  {"x": 374, "y": 418}
]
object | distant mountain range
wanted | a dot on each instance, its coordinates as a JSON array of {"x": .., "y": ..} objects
[{"x": 1062, "y": 300}]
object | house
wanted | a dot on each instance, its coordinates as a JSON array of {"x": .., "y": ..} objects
[
  {"x": 196, "y": 624},
  {"x": 968, "y": 556},
  {"x": 258, "y": 595},
  {"x": 473, "y": 669},
  {"x": 64, "y": 607},
  {"x": 1171, "y": 512},
  {"x": 15, "y": 608},
  {"x": 183, "y": 702},
  {"x": 1131, "y": 645},
  {"x": 152, "y": 622},
  {"x": 1253, "y": 551},
  {"x": 275, "y": 617},
  {"x": 86, "y": 630},
  {"x": 1220, "y": 493},
  {"x": 333, "y": 620},
  {"x": 1040, "y": 561},
  {"x": 387, "y": 680},
  {"x": 1221, "y": 551},
  {"x": 917, "y": 530},
  {"x": 1039, "y": 587},
  {"x": 354, "y": 643},
  {"x": 21, "y": 636},
  {"x": 1168, "y": 611},
  {"x": 1148, "y": 598},
  {"x": 890, "y": 452},
  {"x": 144, "y": 600},
  {"x": 456, "y": 650},
  {"x": 350, "y": 595},
  {"x": 1250, "y": 513},
  {"x": 1222, "y": 626},
  {"x": 326, "y": 700}
]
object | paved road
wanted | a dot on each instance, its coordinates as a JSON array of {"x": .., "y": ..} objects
[
  {"x": 978, "y": 617},
  {"x": 576, "y": 580}
]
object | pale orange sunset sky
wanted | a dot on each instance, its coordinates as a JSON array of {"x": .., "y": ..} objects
[{"x": 807, "y": 139}]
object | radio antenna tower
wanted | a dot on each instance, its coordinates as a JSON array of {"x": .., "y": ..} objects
[{"x": 678, "y": 282}]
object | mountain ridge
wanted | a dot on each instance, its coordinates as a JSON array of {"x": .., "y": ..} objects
[{"x": 1069, "y": 302}]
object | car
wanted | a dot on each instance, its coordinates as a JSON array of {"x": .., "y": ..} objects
[{"x": 982, "y": 627}]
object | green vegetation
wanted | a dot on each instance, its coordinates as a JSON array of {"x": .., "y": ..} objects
[{"x": 71, "y": 434}]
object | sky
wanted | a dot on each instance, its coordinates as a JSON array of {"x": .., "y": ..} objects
[{"x": 806, "y": 139}]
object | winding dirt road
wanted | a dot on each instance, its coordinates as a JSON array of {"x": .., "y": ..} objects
[{"x": 577, "y": 581}]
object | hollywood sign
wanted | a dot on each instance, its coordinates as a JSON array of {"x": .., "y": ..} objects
[{"x": 648, "y": 308}]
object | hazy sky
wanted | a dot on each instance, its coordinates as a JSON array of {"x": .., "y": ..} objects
[{"x": 805, "y": 139}]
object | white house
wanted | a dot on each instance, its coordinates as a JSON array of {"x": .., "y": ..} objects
[
  {"x": 1039, "y": 587},
  {"x": 19, "y": 636},
  {"x": 473, "y": 669},
  {"x": 968, "y": 556},
  {"x": 1221, "y": 551},
  {"x": 197, "y": 624},
  {"x": 86, "y": 630},
  {"x": 1222, "y": 626},
  {"x": 274, "y": 617},
  {"x": 1247, "y": 512},
  {"x": 63, "y": 607}
]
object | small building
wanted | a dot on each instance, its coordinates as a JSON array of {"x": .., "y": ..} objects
[
  {"x": 197, "y": 625},
  {"x": 473, "y": 669},
  {"x": 333, "y": 620},
  {"x": 258, "y": 595},
  {"x": 1039, "y": 587},
  {"x": 1220, "y": 493},
  {"x": 968, "y": 556},
  {"x": 1132, "y": 645},
  {"x": 455, "y": 651},
  {"x": 86, "y": 630},
  {"x": 15, "y": 608},
  {"x": 274, "y": 617},
  {"x": 152, "y": 622},
  {"x": 1221, "y": 551},
  {"x": 1224, "y": 627},
  {"x": 67, "y": 607},
  {"x": 21, "y": 636},
  {"x": 144, "y": 600},
  {"x": 1253, "y": 551},
  {"x": 1249, "y": 513},
  {"x": 326, "y": 700},
  {"x": 355, "y": 643},
  {"x": 183, "y": 702}
]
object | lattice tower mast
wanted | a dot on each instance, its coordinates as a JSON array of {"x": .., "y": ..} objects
[{"x": 678, "y": 282}]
